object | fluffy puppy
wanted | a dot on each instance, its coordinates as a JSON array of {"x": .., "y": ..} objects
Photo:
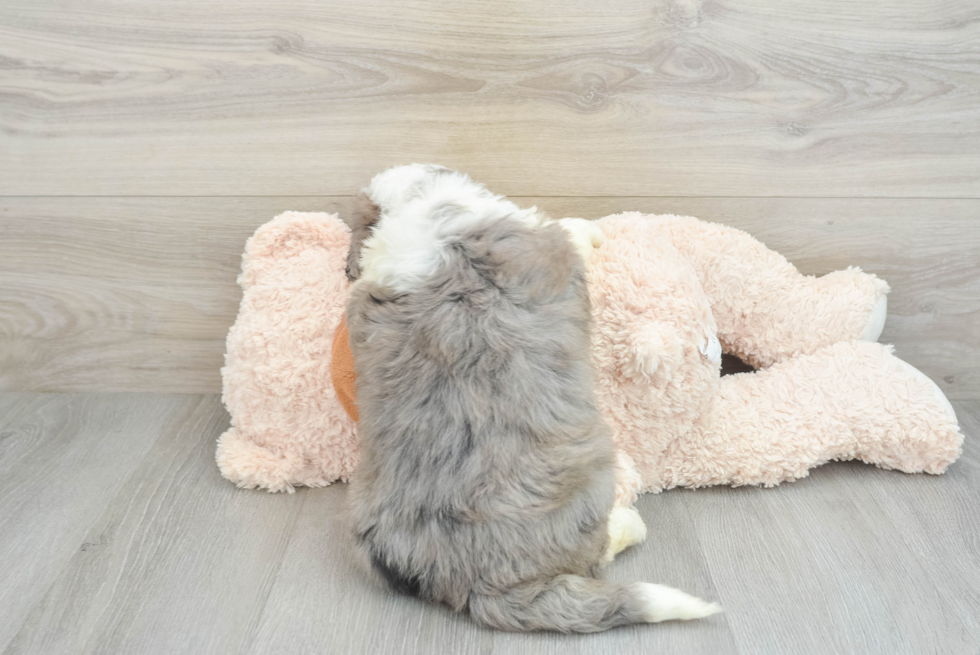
[{"x": 486, "y": 478}]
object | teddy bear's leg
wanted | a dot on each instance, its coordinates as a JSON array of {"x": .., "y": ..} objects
[
  {"x": 849, "y": 400},
  {"x": 766, "y": 310}
]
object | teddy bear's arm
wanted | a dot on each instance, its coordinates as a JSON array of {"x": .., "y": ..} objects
[{"x": 765, "y": 309}]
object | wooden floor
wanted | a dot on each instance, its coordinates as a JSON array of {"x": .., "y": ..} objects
[
  {"x": 141, "y": 143},
  {"x": 117, "y": 535}
]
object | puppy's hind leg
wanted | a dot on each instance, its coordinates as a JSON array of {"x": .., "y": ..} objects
[{"x": 626, "y": 529}]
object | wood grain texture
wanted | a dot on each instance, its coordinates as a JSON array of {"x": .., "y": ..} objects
[
  {"x": 62, "y": 460},
  {"x": 120, "y": 294},
  {"x": 669, "y": 97},
  {"x": 847, "y": 549},
  {"x": 370, "y": 619},
  {"x": 178, "y": 560},
  {"x": 152, "y": 552}
]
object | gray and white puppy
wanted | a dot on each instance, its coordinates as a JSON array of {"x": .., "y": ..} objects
[{"x": 486, "y": 478}]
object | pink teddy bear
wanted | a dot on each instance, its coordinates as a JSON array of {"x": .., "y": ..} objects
[{"x": 669, "y": 294}]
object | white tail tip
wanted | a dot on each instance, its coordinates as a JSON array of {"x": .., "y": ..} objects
[{"x": 666, "y": 603}]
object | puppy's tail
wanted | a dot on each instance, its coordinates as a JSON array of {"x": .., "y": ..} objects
[{"x": 570, "y": 603}]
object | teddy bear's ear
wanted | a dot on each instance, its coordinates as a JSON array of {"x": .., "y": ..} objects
[{"x": 651, "y": 352}]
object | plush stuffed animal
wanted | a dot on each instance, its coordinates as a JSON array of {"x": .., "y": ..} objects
[
  {"x": 667, "y": 291},
  {"x": 669, "y": 294},
  {"x": 287, "y": 426}
]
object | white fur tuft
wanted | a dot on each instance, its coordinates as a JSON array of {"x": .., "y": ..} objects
[
  {"x": 390, "y": 189},
  {"x": 422, "y": 207},
  {"x": 585, "y": 235},
  {"x": 626, "y": 529},
  {"x": 666, "y": 603}
]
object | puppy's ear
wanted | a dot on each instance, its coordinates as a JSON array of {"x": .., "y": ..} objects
[
  {"x": 534, "y": 263},
  {"x": 362, "y": 220}
]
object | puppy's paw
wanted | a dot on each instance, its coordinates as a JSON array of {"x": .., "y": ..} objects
[
  {"x": 586, "y": 236},
  {"x": 626, "y": 529}
]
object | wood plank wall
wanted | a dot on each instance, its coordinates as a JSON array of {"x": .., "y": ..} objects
[{"x": 141, "y": 143}]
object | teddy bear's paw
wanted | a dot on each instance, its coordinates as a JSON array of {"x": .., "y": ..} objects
[
  {"x": 937, "y": 394},
  {"x": 626, "y": 529},
  {"x": 876, "y": 322}
]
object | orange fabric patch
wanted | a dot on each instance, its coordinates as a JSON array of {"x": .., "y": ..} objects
[{"x": 342, "y": 370}]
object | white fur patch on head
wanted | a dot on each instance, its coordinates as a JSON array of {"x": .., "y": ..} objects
[
  {"x": 422, "y": 207},
  {"x": 392, "y": 188}
]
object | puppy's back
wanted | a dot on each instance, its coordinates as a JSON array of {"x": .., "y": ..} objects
[
  {"x": 477, "y": 416},
  {"x": 486, "y": 473}
]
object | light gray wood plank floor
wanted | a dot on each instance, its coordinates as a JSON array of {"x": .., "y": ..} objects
[{"x": 117, "y": 535}]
